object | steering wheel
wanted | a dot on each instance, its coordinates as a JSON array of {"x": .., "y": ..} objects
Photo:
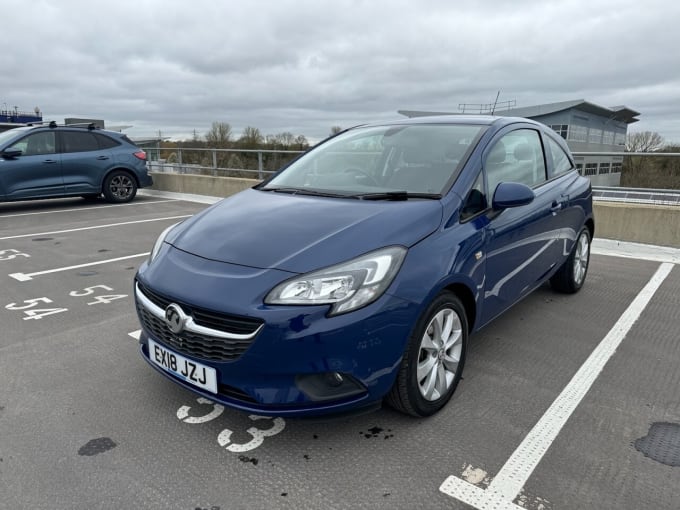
[{"x": 359, "y": 171}]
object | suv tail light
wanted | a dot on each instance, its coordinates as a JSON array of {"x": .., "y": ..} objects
[{"x": 141, "y": 155}]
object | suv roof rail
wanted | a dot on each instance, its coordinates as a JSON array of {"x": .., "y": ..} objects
[{"x": 53, "y": 124}]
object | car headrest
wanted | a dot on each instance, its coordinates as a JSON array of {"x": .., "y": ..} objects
[
  {"x": 497, "y": 154},
  {"x": 523, "y": 152}
]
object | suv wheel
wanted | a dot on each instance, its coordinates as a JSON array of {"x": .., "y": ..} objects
[{"x": 119, "y": 186}]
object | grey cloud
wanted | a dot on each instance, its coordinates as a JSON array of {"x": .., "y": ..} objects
[{"x": 304, "y": 66}]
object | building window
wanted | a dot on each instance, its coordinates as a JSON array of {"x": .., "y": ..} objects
[
  {"x": 560, "y": 129},
  {"x": 591, "y": 169},
  {"x": 578, "y": 133},
  {"x": 595, "y": 136},
  {"x": 620, "y": 139},
  {"x": 604, "y": 168},
  {"x": 608, "y": 138},
  {"x": 579, "y": 167},
  {"x": 616, "y": 168}
]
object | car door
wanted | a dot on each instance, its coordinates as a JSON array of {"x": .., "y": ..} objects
[
  {"x": 83, "y": 161},
  {"x": 574, "y": 189},
  {"x": 521, "y": 241},
  {"x": 36, "y": 173}
]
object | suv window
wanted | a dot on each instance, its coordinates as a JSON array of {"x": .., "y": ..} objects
[
  {"x": 36, "y": 144},
  {"x": 516, "y": 157},
  {"x": 105, "y": 142},
  {"x": 560, "y": 160},
  {"x": 79, "y": 142}
]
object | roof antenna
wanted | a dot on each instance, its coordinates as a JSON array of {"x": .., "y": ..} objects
[{"x": 493, "y": 109}]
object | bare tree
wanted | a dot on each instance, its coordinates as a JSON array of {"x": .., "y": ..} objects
[
  {"x": 644, "y": 141},
  {"x": 219, "y": 135},
  {"x": 251, "y": 138},
  {"x": 301, "y": 143},
  {"x": 335, "y": 130}
]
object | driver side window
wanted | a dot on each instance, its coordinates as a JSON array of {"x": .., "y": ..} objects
[
  {"x": 516, "y": 157},
  {"x": 36, "y": 144}
]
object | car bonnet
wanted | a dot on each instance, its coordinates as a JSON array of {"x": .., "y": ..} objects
[{"x": 302, "y": 233}]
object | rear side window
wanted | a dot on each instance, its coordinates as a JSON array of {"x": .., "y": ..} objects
[
  {"x": 79, "y": 142},
  {"x": 124, "y": 137},
  {"x": 105, "y": 142},
  {"x": 560, "y": 161}
]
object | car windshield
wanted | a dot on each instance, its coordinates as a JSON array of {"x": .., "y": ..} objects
[
  {"x": 382, "y": 162},
  {"x": 5, "y": 136}
]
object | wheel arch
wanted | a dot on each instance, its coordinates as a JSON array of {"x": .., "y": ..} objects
[
  {"x": 121, "y": 169},
  {"x": 467, "y": 297},
  {"x": 590, "y": 223}
]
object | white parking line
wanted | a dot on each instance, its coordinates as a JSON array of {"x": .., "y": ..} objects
[
  {"x": 509, "y": 481},
  {"x": 24, "y": 277},
  {"x": 83, "y": 208},
  {"x": 95, "y": 227}
]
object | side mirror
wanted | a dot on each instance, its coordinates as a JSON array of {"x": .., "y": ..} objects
[
  {"x": 11, "y": 153},
  {"x": 512, "y": 194}
]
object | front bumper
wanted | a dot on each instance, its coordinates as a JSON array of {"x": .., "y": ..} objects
[{"x": 293, "y": 361}]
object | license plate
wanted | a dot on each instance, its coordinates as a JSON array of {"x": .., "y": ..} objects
[{"x": 190, "y": 371}]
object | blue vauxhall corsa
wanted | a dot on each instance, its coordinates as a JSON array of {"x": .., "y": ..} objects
[{"x": 356, "y": 274}]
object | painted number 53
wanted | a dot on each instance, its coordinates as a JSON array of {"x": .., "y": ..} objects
[{"x": 224, "y": 438}]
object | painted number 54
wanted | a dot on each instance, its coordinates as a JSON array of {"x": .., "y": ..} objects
[{"x": 29, "y": 308}]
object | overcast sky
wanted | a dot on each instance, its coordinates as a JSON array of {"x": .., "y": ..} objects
[{"x": 306, "y": 65}]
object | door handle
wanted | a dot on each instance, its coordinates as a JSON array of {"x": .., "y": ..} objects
[
  {"x": 50, "y": 161},
  {"x": 101, "y": 158},
  {"x": 556, "y": 206}
]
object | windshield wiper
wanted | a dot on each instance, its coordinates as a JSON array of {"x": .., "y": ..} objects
[
  {"x": 396, "y": 195},
  {"x": 309, "y": 192}
]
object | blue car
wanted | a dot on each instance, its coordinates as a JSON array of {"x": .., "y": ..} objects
[
  {"x": 355, "y": 275},
  {"x": 49, "y": 161}
]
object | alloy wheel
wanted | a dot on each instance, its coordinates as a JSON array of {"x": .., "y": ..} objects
[
  {"x": 121, "y": 186},
  {"x": 439, "y": 355},
  {"x": 581, "y": 256}
]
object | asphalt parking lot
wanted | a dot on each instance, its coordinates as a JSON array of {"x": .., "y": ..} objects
[{"x": 567, "y": 401}]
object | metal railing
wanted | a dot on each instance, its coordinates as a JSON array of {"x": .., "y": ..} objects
[
  {"x": 637, "y": 195},
  {"x": 215, "y": 156},
  {"x": 210, "y": 161}
]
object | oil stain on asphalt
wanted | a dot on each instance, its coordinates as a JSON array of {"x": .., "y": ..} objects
[{"x": 97, "y": 446}]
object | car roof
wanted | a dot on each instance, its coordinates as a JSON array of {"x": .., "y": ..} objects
[{"x": 453, "y": 119}]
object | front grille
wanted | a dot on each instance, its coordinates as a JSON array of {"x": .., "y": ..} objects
[
  {"x": 207, "y": 318},
  {"x": 194, "y": 344}
]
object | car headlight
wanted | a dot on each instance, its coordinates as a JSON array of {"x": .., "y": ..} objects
[
  {"x": 159, "y": 242},
  {"x": 346, "y": 286}
]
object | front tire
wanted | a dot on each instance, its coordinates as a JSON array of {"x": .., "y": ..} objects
[
  {"x": 119, "y": 187},
  {"x": 433, "y": 362},
  {"x": 570, "y": 277}
]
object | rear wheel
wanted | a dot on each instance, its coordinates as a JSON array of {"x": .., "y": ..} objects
[
  {"x": 119, "y": 186},
  {"x": 433, "y": 362},
  {"x": 570, "y": 277}
]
